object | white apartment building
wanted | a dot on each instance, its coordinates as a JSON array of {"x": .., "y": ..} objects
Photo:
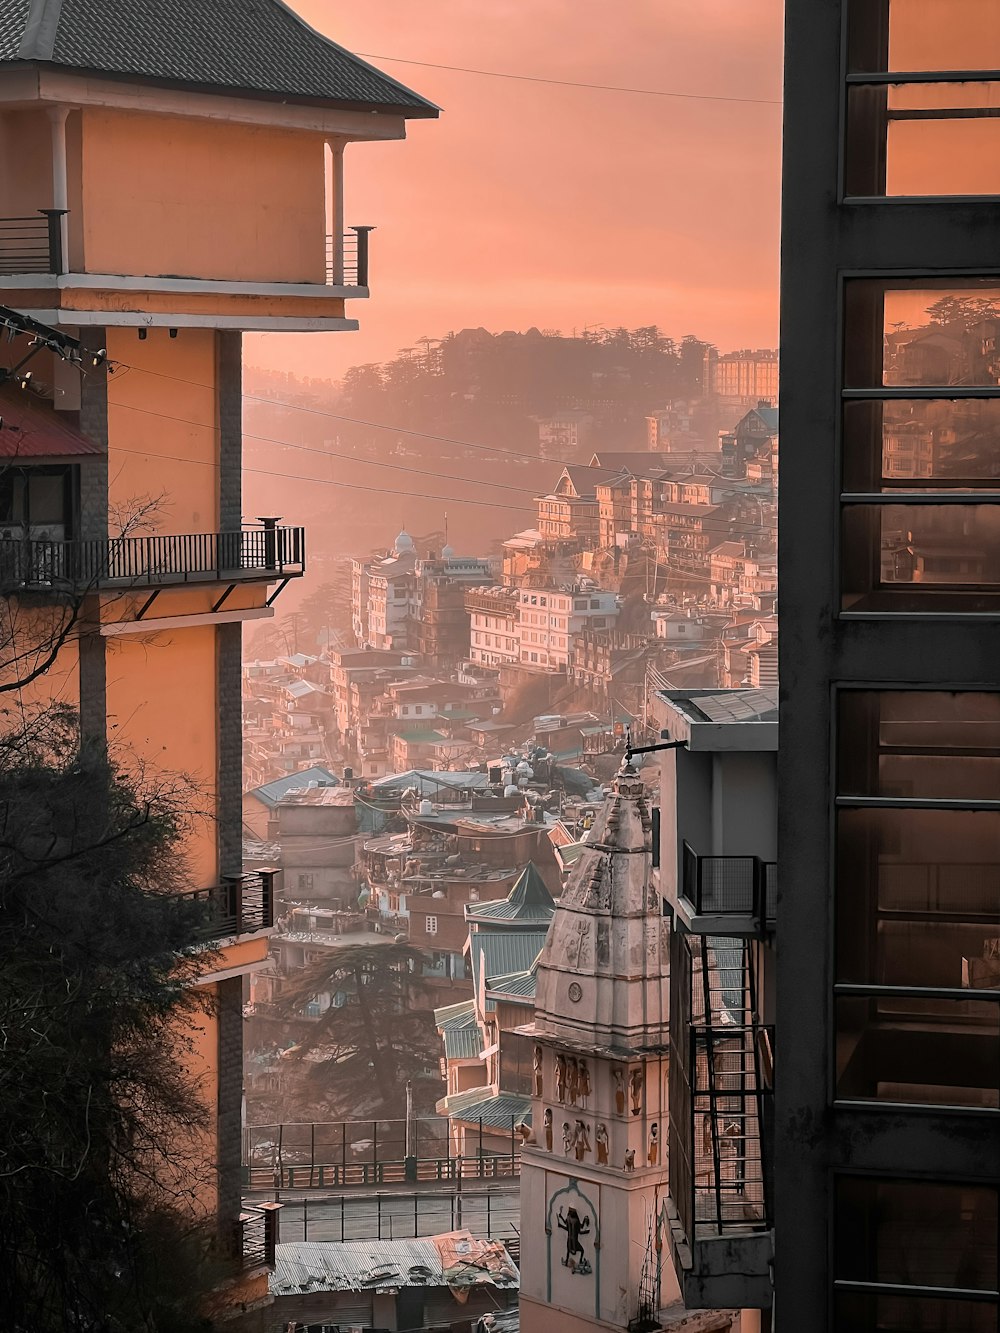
[
  {"x": 550, "y": 619},
  {"x": 494, "y": 636}
]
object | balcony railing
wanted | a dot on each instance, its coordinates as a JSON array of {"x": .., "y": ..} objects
[
  {"x": 239, "y": 905},
  {"x": 354, "y": 259},
  {"x": 258, "y": 1236},
  {"x": 254, "y": 555},
  {"x": 32, "y": 244},
  {"x": 731, "y": 886}
]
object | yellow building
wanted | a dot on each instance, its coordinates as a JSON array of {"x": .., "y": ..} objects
[{"x": 172, "y": 177}]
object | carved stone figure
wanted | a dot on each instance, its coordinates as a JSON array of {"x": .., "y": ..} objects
[
  {"x": 547, "y": 1128},
  {"x": 536, "y": 1064},
  {"x": 635, "y": 1088},
  {"x": 584, "y": 1081},
  {"x": 572, "y": 1080},
  {"x": 581, "y": 1140},
  {"x": 629, "y": 1159},
  {"x": 653, "y": 1151},
  {"x": 526, "y": 1133},
  {"x": 567, "y": 1137},
  {"x": 601, "y": 1141},
  {"x": 570, "y": 1222},
  {"x": 619, "y": 1089},
  {"x": 560, "y": 1077}
]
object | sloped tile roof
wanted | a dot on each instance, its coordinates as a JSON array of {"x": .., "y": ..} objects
[{"x": 256, "y": 47}]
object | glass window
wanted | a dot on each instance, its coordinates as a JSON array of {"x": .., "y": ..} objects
[
  {"x": 910, "y": 135},
  {"x": 931, "y": 1236},
  {"x": 920, "y": 527},
  {"x": 918, "y": 897}
]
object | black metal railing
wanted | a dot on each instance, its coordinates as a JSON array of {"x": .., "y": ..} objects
[
  {"x": 734, "y": 886},
  {"x": 721, "y": 1091},
  {"x": 354, "y": 258},
  {"x": 252, "y": 555},
  {"x": 32, "y": 244},
  {"x": 239, "y": 905},
  {"x": 258, "y": 1235}
]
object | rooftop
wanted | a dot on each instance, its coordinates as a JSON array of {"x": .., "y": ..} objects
[
  {"x": 528, "y": 901},
  {"x": 722, "y": 719},
  {"x": 253, "y": 48},
  {"x": 272, "y": 792},
  {"x": 455, "y": 1259}
]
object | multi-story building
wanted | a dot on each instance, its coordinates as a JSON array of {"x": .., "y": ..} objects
[
  {"x": 176, "y": 176},
  {"x": 493, "y": 626},
  {"x": 549, "y": 619},
  {"x": 570, "y": 511},
  {"x": 744, "y": 376},
  {"x": 564, "y": 436},
  {"x": 887, "y": 1155},
  {"x": 384, "y": 603},
  {"x": 443, "y": 632}
]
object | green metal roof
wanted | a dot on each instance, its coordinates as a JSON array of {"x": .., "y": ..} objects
[
  {"x": 528, "y": 901},
  {"x": 502, "y": 954},
  {"x": 517, "y": 985},
  {"x": 454, "y": 1015},
  {"x": 496, "y": 1110},
  {"x": 463, "y": 1043}
]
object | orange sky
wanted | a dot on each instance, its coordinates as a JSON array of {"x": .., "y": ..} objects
[{"x": 562, "y": 207}]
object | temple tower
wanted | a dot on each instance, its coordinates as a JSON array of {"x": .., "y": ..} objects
[{"x": 593, "y": 1182}]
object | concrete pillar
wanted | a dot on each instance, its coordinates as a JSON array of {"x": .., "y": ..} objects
[{"x": 229, "y": 370}]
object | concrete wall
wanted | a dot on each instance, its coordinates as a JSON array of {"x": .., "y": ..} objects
[{"x": 211, "y": 200}]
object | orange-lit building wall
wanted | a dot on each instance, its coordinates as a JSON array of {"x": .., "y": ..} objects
[
  {"x": 162, "y": 428},
  {"x": 173, "y": 212}
]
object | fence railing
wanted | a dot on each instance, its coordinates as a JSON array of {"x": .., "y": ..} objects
[
  {"x": 258, "y": 1235},
  {"x": 489, "y": 1215},
  {"x": 32, "y": 244},
  {"x": 354, "y": 259},
  {"x": 345, "y": 1153},
  {"x": 239, "y": 905},
  {"x": 253, "y": 554},
  {"x": 742, "y": 886}
]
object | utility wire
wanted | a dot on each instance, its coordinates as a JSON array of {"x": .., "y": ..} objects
[{"x": 574, "y": 83}]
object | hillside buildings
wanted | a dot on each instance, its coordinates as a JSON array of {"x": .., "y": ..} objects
[{"x": 175, "y": 177}]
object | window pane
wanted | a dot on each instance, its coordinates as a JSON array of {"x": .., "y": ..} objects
[
  {"x": 921, "y": 744},
  {"x": 932, "y": 1052},
  {"x": 890, "y": 444},
  {"x": 920, "y": 139},
  {"x": 858, "y": 1313},
  {"x": 916, "y": 1233},
  {"x": 922, "y": 333},
  {"x": 924, "y": 35},
  {"x": 921, "y": 557}
]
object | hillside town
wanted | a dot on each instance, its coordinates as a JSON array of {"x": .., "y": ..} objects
[{"x": 435, "y": 780}]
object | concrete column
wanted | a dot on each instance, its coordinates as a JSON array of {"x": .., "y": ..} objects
[
  {"x": 229, "y": 1123},
  {"x": 94, "y": 424},
  {"x": 229, "y": 370},
  {"x": 58, "y": 116},
  {"x": 229, "y": 777},
  {"x": 336, "y": 210}
]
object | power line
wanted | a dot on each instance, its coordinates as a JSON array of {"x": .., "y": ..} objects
[{"x": 573, "y": 83}]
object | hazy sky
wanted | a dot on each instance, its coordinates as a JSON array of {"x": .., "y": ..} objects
[{"x": 563, "y": 207}]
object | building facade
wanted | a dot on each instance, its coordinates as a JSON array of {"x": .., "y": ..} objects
[
  {"x": 887, "y": 1156},
  {"x": 147, "y": 145}
]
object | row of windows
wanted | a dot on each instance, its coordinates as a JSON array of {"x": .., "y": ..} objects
[
  {"x": 917, "y": 892},
  {"x": 920, "y": 446}
]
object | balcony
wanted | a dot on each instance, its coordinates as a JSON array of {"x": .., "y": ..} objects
[
  {"x": 240, "y": 905},
  {"x": 721, "y": 1126},
  {"x": 257, "y": 1236},
  {"x": 254, "y": 555},
  {"x": 727, "y": 895},
  {"x": 33, "y": 244}
]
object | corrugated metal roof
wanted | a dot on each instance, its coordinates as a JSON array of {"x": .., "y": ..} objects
[
  {"x": 455, "y": 1015},
  {"x": 497, "y": 1110},
  {"x": 255, "y": 47},
  {"x": 355, "y": 1266},
  {"x": 463, "y": 1043},
  {"x": 32, "y": 429},
  {"x": 503, "y": 953},
  {"x": 272, "y": 792},
  {"x": 374, "y": 1265},
  {"x": 528, "y": 900},
  {"x": 518, "y": 985}
]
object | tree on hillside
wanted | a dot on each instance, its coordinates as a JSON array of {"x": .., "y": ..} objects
[
  {"x": 373, "y": 1037},
  {"x": 100, "y": 1118}
]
